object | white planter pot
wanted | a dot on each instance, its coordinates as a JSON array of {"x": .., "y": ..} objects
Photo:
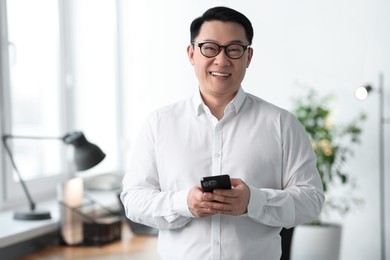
[{"x": 321, "y": 242}]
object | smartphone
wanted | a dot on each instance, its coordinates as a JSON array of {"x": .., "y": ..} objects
[{"x": 211, "y": 183}]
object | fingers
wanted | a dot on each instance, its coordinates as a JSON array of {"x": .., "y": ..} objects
[
  {"x": 196, "y": 203},
  {"x": 217, "y": 207},
  {"x": 230, "y": 202},
  {"x": 235, "y": 200},
  {"x": 219, "y": 204}
]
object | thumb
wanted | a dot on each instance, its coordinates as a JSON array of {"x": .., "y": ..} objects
[{"x": 236, "y": 182}]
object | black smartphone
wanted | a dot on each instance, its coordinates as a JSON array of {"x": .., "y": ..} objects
[{"x": 211, "y": 183}]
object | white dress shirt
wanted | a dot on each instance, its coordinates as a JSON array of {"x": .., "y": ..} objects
[{"x": 256, "y": 141}]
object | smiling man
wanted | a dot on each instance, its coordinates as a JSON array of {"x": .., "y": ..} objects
[
  {"x": 220, "y": 62},
  {"x": 222, "y": 130}
]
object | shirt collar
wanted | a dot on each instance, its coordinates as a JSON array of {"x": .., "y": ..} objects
[
  {"x": 199, "y": 105},
  {"x": 238, "y": 100}
]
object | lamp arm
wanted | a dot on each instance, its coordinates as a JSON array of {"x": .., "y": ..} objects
[
  {"x": 8, "y": 150},
  {"x": 5, "y": 137}
]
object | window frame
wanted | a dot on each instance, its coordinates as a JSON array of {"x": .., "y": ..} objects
[
  {"x": 3, "y": 93},
  {"x": 41, "y": 189}
]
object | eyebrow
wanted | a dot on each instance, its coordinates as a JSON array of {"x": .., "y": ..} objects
[{"x": 231, "y": 42}]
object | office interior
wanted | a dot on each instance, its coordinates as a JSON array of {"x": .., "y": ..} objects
[{"x": 102, "y": 66}]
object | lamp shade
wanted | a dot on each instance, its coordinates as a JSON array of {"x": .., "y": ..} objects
[
  {"x": 86, "y": 154},
  {"x": 361, "y": 93}
]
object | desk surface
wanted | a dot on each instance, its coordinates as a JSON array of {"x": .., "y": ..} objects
[
  {"x": 15, "y": 231},
  {"x": 131, "y": 246}
]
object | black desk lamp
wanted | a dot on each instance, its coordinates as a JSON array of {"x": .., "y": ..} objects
[{"x": 86, "y": 156}]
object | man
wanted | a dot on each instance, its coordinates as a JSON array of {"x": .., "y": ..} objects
[{"x": 222, "y": 130}]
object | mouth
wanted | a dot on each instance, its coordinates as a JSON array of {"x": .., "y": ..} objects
[{"x": 220, "y": 74}]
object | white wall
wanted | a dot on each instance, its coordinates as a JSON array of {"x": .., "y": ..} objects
[{"x": 334, "y": 46}]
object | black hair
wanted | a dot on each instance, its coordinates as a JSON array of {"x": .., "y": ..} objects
[{"x": 223, "y": 14}]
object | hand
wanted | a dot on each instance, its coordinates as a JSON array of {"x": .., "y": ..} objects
[
  {"x": 229, "y": 202},
  {"x": 195, "y": 202}
]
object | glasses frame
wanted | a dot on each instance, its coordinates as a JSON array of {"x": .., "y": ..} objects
[{"x": 220, "y": 47}]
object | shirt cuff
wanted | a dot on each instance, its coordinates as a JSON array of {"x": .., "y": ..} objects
[
  {"x": 180, "y": 204},
  {"x": 256, "y": 203}
]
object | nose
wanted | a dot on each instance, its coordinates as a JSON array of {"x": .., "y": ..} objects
[{"x": 222, "y": 59}]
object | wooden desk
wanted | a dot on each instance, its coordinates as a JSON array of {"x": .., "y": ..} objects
[{"x": 131, "y": 246}]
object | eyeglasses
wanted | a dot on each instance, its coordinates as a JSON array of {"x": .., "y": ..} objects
[{"x": 210, "y": 49}]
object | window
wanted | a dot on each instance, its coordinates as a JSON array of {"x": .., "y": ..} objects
[
  {"x": 61, "y": 65},
  {"x": 97, "y": 87},
  {"x": 35, "y": 105}
]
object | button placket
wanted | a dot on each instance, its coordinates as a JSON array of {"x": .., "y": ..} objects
[
  {"x": 216, "y": 237},
  {"x": 217, "y": 149},
  {"x": 217, "y": 166}
]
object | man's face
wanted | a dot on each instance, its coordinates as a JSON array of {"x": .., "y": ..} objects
[{"x": 220, "y": 76}]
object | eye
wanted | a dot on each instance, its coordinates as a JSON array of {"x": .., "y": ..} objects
[
  {"x": 210, "y": 48},
  {"x": 234, "y": 49}
]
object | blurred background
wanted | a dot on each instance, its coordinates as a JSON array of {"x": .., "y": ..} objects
[{"x": 122, "y": 59}]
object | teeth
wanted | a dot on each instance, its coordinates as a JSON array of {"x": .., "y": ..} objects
[{"x": 220, "y": 74}]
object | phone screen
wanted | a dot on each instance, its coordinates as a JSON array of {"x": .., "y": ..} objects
[{"x": 211, "y": 183}]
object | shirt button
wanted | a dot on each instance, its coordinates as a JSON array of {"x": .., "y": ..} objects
[
  {"x": 216, "y": 242},
  {"x": 217, "y": 155}
]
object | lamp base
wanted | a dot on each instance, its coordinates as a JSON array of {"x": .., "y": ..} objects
[{"x": 32, "y": 215}]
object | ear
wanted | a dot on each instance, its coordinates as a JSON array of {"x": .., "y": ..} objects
[
  {"x": 190, "y": 53},
  {"x": 249, "y": 58}
]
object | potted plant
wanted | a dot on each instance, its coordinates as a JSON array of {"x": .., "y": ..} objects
[{"x": 333, "y": 145}]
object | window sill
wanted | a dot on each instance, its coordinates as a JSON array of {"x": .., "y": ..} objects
[{"x": 16, "y": 231}]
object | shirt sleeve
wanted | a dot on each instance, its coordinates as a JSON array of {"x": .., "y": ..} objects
[
  {"x": 301, "y": 199},
  {"x": 143, "y": 200}
]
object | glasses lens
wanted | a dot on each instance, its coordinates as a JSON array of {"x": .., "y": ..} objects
[
  {"x": 235, "y": 51},
  {"x": 210, "y": 49}
]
